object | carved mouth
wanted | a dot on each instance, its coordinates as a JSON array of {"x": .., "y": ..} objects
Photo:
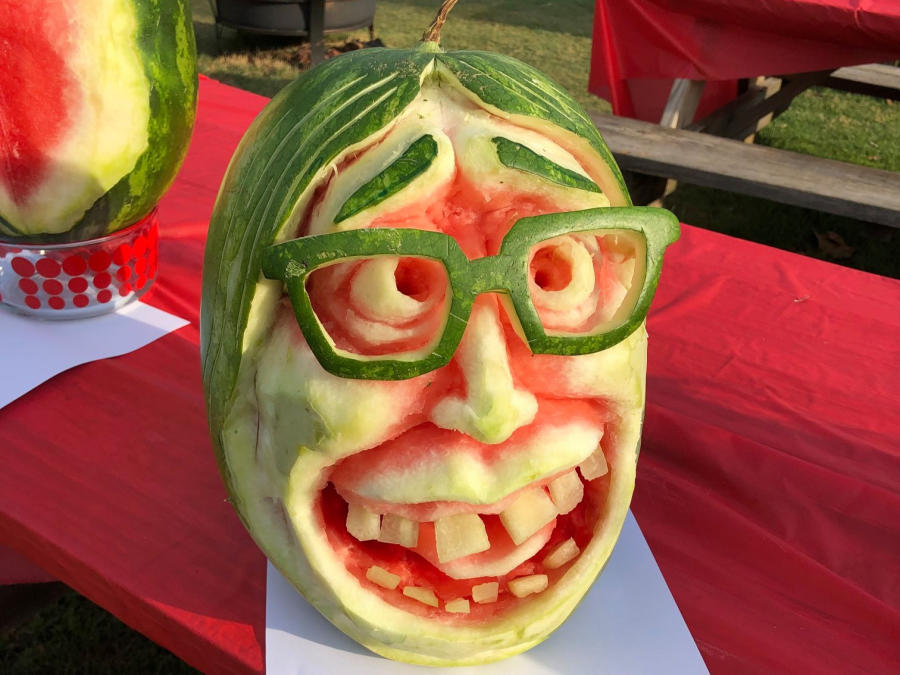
[{"x": 461, "y": 561}]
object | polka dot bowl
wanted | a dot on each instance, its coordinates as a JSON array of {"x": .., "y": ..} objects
[{"x": 80, "y": 279}]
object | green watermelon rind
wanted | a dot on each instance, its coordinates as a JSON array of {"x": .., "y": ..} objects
[
  {"x": 517, "y": 156},
  {"x": 292, "y": 262},
  {"x": 414, "y": 161},
  {"x": 519, "y": 89},
  {"x": 165, "y": 40}
]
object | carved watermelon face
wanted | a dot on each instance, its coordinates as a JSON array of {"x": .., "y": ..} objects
[{"x": 400, "y": 418}]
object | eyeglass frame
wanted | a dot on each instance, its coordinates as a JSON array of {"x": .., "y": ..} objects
[{"x": 292, "y": 261}]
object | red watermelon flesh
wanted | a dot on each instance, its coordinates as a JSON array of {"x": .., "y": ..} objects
[
  {"x": 38, "y": 91},
  {"x": 414, "y": 568}
]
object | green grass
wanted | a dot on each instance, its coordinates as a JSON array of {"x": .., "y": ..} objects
[
  {"x": 846, "y": 127},
  {"x": 825, "y": 123},
  {"x": 74, "y": 636}
]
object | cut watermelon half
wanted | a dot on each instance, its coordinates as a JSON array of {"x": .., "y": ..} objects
[
  {"x": 96, "y": 110},
  {"x": 459, "y": 515}
]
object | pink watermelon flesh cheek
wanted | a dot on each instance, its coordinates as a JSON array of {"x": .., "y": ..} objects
[{"x": 40, "y": 92}]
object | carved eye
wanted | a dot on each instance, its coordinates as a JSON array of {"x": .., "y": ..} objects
[
  {"x": 580, "y": 284},
  {"x": 383, "y": 305}
]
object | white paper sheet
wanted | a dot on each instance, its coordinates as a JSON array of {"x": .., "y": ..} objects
[
  {"x": 34, "y": 350},
  {"x": 628, "y": 623}
]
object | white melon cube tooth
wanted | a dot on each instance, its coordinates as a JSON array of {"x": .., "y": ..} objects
[
  {"x": 399, "y": 530},
  {"x": 458, "y": 606},
  {"x": 563, "y": 553},
  {"x": 424, "y": 595},
  {"x": 460, "y": 535},
  {"x": 363, "y": 524},
  {"x": 528, "y": 514},
  {"x": 527, "y": 585},
  {"x": 486, "y": 592},
  {"x": 566, "y": 491},
  {"x": 594, "y": 466},
  {"x": 379, "y": 575}
]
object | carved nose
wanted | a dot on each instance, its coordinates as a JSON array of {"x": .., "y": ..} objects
[{"x": 492, "y": 407}]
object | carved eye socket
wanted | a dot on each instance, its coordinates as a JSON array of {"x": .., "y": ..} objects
[
  {"x": 580, "y": 284},
  {"x": 383, "y": 305},
  {"x": 551, "y": 269},
  {"x": 418, "y": 279}
]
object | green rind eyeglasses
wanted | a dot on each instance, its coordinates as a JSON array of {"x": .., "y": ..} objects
[{"x": 507, "y": 272}]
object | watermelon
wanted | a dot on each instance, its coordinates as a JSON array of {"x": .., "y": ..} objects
[
  {"x": 96, "y": 111},
  {"x": 423, "y": 347}
]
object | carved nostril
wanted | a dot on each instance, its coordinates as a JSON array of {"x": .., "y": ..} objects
[{"x": 493, "y": 407}]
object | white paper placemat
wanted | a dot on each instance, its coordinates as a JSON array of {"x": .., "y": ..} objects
[
  {"x": 34, "y": 350},
  {"x": 628, "y": 623}
]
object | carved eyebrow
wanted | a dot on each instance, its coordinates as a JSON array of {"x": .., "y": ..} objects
[
  {"x": 414, "y": 161},
  {"x": 517, "y": 156}
]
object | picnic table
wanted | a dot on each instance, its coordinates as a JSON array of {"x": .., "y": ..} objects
[
  {"x": 678, "y": 65},
  {"x": 767, "y": 485},
  {"x": 641, "y": 47}
]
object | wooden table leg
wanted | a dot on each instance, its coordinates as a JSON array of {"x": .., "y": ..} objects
[
  {"x": 766, "y": 98},
  {"x": 679, "y": 112},
  {"x": 684, "y": 98}
]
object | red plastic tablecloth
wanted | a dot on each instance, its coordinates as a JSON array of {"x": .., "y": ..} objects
[
  {"x": 640, "y": 46},
  {"x": 767, "y": 487}
]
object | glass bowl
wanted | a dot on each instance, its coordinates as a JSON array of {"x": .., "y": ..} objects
[{"x": 82, "y": 278}]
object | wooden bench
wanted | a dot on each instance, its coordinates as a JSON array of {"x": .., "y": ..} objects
[
  {"x": 716, "y": 158},
  {"x": 792, "y": 178},
  {"x": 874, "y": 79}
]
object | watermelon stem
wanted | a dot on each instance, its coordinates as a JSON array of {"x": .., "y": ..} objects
[{"x": 433, "y": 33}]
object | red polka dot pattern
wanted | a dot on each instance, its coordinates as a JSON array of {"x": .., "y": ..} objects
[
  {"x": 52, "y": 287},
  {"x": 48, "y": 267},
  {"x": 28, "y": 286},
  {"x": 99, "y": 261},
  {"x": 106, "y": 272},
  {"x": 122, "y": 254},
  {"x": 22, "y": 266},
  {"x": 74, "y": 265},
  {"x": 78, "y": 285}
]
